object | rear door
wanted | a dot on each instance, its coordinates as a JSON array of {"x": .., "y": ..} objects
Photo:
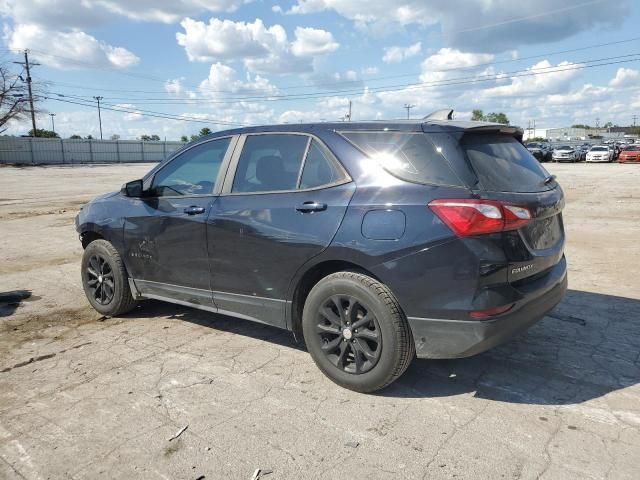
[
  {"x": 506, "y": 171},
  {"x": 282, "y": 203},
  {"x": 165, "y": 231}
]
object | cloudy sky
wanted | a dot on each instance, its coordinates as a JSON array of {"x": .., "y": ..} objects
[{"x": 223, "y": 62}]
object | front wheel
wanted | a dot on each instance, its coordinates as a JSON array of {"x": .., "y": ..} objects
[
  {"x": 356, "y": 332},
  {"x": 105, "y": 280}
]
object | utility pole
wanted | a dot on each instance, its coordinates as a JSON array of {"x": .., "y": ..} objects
[
  {"x": 597, "y": 122},
  {"x": 408, "y": 106},
  {"x": 99, "y": 116},
  {"x": 634, "y": 120},
  {"x": 53, "y": 124},
  {"x": 26, "y": 66},
  {"x": 349, "y": 115}
]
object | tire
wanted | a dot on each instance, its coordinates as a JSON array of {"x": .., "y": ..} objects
[
  {"x": 105, "y": 280},
  {"x": 346, "y": 355}
]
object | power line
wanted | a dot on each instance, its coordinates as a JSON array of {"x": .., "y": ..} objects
[
  {"x": 409, "y": 86},
  {"x": 147, "y": 113},
  {"x": 295, "y": 87}
]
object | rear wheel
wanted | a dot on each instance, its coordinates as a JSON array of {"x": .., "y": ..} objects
[
  {"x": 105, "y": 280},
  {"x": 356, "y": 332}
]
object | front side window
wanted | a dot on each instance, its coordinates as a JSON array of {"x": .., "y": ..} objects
[
  {"x": 270, "y": 163},
  {"x": 193, "y": 172},
  {"x": 408, "y": 156}
]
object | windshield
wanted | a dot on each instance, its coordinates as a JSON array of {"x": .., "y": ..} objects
[
  {"x": 599, "y": 149},
  {"x": 632, "y": 149},
  {"x": 565, "y": 147},
  {"x": 502, "y": 164}
]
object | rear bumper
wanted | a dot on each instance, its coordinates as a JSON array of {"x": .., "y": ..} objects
[{"x": 441, "y": 338}]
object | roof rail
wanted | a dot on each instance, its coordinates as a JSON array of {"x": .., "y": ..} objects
[{"x": 446, "y": 114}]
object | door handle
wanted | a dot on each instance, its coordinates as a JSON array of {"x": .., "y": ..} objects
[
  {"x": 311, "y": 207},
  {"x": 194, "y": 210}
]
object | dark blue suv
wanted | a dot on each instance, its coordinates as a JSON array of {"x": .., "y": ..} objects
[{"x": 376, "y": 241}]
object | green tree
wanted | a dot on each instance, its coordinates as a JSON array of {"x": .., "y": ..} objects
[
  {"x": 42, "y": 133},
  {"x": 498, "y": 117},
  {"x": 205, "y": 131},
  {"x": 75, "y": 137},
  {"x": 184, "y": 138},
  {"x": 477, "y": 115},
  {"x": 194, "y": 137},
  {"x": 608, "y": 125},
  {"x": 89, "y": 137},
  {"x": 581, "y": 125}
]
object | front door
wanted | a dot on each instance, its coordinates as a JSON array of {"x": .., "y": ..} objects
[
  {"x": 282, "y": 207},
  {"x": 165, "y": 234}
]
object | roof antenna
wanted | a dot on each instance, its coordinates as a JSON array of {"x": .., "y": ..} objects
[{"x": 446, "y": 114}]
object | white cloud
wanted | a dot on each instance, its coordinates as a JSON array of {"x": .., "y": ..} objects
[
  {"x": 175, "y": 87},
  {"x": 482, "y": 25},
  {"x": 262, "y": 49},
  {"x": 398, "y": 54},
  {"x": 312, "y": 41},
  {"x": 625, "y": 77},
  {"x": 222, "y": 79},
  {"x": 555, "y": 79},
  {"x": 63, "y": 14},
  {"x": 63, "y": 48},
  {"x": 450, "y": 63}
]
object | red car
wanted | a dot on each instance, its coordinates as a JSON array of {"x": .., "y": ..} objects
[{"x": 629, "y": 154}]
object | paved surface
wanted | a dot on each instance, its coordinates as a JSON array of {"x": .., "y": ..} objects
[{"x": 87, "y": 397}]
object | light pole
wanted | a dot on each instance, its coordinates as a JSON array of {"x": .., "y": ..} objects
[{"x": 53, "y": 123}]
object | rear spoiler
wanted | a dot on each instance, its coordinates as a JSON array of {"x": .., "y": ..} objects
[{"x": 516, "y": 132}]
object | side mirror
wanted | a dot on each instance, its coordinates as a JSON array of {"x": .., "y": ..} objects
[{"x": 133, "y": 189}]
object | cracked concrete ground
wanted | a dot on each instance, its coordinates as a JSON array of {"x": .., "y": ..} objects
[{"x": 86, "y": 397}]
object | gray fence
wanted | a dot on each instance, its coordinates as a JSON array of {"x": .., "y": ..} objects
[{"x": 53, "y": 151}]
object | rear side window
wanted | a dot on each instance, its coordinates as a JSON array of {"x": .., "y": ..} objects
[
  {"x": 408, "y": 156},
  {"x": 502, "y": 164},
  {"x": 319, "y": 169},
  {"x": 270, "y": 163}
]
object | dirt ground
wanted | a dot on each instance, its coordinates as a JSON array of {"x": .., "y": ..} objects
[{"x": 87, "y": 397}]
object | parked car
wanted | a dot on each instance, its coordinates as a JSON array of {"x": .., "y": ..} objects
[
  {"x": 583, "y": 150},
  {"x": 565, "y": 153},
  {"x": 537, "y": 151},
  {"x": 376, "y": 241},
  {"x": 629, "y": 154},
  {"x": 600, "y": 153}
]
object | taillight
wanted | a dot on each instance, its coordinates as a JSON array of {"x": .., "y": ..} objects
[
  {"x": 490, "y": 312},
  {"x": 474, "y": 217}
]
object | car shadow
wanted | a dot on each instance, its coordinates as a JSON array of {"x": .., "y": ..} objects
[{"x": 585, "y": 348}]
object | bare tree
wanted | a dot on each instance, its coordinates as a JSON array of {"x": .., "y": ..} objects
[{"x": 14, "y": 99}]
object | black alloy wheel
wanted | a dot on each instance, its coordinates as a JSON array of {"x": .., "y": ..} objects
[
  {"x": 99, "y": 278},
  {"x": 349, "y": 334}
]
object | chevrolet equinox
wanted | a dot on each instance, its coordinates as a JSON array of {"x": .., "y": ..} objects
[{"x": 375, "y": 241}]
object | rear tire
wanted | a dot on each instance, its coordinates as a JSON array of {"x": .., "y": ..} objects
[
  {"x": 356, "y": 332},
  {"x": 105, "y": 280}
]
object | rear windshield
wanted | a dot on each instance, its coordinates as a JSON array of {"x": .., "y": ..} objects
[
  {"x": 502, "y": 164},
  {"x": 599, "y": 149},
  {"x": 408, "y": 156}
]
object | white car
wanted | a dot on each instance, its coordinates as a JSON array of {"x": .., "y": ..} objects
[
  {"x": 565, "y": 153},
  {"x": 600, "y": 153}
]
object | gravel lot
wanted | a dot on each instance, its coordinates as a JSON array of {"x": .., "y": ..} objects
[{"x": 86, "y": 397}]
